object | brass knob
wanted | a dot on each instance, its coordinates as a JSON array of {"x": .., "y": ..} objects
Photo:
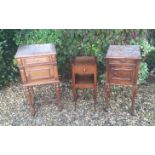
[{"x": 84, "y": 69}]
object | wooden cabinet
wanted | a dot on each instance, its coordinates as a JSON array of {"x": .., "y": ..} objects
[
  {"x": 121, "y": 72},
  {"x": 84, "y": 75},
  {"x": 122, "y": 65},
  {"x": 38, "y": 65}
]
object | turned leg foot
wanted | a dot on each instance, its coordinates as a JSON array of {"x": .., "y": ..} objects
[
  {"x": 30, "y": 100},
  {"x": 95, "y": 97},
  {"x": 134, "y": 94},
  {"x": 75, "y": 98},
  {"x": 58, "y": 94},
  {"x": 75, "y": 103},
  {"x": 75, "y": 94},
  {"x": 107, "y": 96}
]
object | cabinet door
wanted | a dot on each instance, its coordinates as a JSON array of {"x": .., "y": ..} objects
[
  {"x": 121, "y": 73},
  {"x": 39, "y": 72}
]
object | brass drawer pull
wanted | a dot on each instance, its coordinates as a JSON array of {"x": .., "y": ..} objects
[{"x": 84, "y": 70}]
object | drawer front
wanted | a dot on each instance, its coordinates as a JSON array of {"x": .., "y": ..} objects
[
  {"x": 121, "y": 73},
  {"x": 38, "y": 60},
  {"x": 39, "y": 73},
  {"x": 85, "y": 69},
  {"x": 122, "y": 61}
]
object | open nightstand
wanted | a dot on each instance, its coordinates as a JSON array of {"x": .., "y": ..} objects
[{"x": 84, "y": 75}]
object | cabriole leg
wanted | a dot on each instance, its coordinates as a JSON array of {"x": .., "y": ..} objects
[
  {"x": 134, "y": 94},
  {"x": 95, "y": 97},
  {"x": 29, "y": 97},
  {"x": 58, "y": 94},
  {"x": 75, "y": 97},
  {"x": 107, "y": 96}
]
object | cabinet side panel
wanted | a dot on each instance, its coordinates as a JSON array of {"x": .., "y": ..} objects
[{"x": 22, "y": 70}]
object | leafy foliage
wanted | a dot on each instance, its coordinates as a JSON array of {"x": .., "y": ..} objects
[
  {"x": 8, "y": 69},
  {"x": 38, "y": 36},
  {"x": 143, "y": 72},
  {"x": 146, "y": 49},
  {"x": 150, "y": 60},
  {"x": 151, "y": 56},
  {"x": 151, "y": 37}
]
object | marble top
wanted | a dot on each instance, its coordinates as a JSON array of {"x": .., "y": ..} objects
[
  {"x": 35, "y": 50},
  {"x": 124, "y": 51}
]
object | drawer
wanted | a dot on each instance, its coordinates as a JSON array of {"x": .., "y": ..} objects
[
  {"x": 122, "y": 65},
  {"x": 119, "y": 73},
  {"x": 39, "y": 73},
  {"x": 38, "y": 60},
  {"x": 120, "y": 61},
  {"x": 81, "y": 69}
]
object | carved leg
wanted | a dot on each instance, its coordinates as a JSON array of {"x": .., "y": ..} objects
[
  {"x": 74, "y": 94},
  {"x": 29, "y": 97},
  {"x": 32, "y": 91},
  {"x": 58, "y": 94},
  {"x": 75, "y": 98},
  {"x": 95, "y": 97},
  {"x": 134, "y": 94},
  {"x": 107, "y": 96}
]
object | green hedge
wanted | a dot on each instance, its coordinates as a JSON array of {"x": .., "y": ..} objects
[
  {"x": 151, "y": 57},
  {"x": 69, "y": 43},
  {"x": 8, "y": 68}
]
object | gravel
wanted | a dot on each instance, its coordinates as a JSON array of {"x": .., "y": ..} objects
[{"x": 15, "y": 112}]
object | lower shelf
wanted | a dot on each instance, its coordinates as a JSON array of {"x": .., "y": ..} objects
[{"x": 84, "y": 79}]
